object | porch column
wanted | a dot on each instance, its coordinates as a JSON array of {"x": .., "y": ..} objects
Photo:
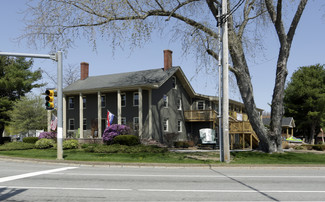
[
  {"x": 64, "y": 117},
  {"x": 81, "y": 116},
  {"x": 251, "y": 141},
  {"x": 150, "y": 114},
  {"x": 99, "y": 114},
  {"x": 243, "y": 140},
  {"x": 140, "y": 112},
  {"x": 119, "y": 108}
]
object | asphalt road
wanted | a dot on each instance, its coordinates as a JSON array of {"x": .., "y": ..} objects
[{"x": 32, "y": 181}]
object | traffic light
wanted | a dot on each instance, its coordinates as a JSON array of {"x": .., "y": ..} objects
[{"x": 49, "y": 99}]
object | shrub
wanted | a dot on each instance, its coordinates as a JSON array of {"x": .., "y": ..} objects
[
  {"x": 70, "y": 144},
  {"x": 319, "y": 147},
  {"x": 16, "y": 146},
  {"x": 169, "y": 138},
  {"x": 47, "y": 135},
  {"x": 129, "y": 140},
  {"x": 44, "y": 143},
  {"x": 31, "y": 140},
  {"x": 181, "y": 144},
  {"x": 113, "y": 131},
  {"x": 116, "y": 148}
]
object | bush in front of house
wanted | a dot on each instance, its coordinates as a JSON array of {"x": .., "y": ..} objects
[
  {"x": 47, "y": 135},
  {"x": 113, "y": 131},
  {"x": 181, "y": 144},
  {"x": 16, "y": 146},
  {"x": 129, "y": 140},
  {"x": 70, "y": 144},
  {"x": 31, "y": 140},
  {"x": 44, "y": 143},
  {"x": 319, "y": 147}
]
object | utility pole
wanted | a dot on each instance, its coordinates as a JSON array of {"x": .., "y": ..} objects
[
  {"x": 225, "y": 83},
  {"x": 58, "y": 58}
]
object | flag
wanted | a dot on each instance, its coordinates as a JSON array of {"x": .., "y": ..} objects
[
  {"x": 110, "y": 117},
  {"x": 54, "y": 122}
]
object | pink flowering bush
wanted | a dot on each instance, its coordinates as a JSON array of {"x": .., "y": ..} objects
[
  {"x": 113, "y": 131},
  {"x": 47, "y": 135}
]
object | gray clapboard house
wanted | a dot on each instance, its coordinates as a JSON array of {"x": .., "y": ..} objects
[{"x": 154, "y": 102}]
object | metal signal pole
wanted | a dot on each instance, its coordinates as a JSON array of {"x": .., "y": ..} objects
[{"x": 58, "y": 58}]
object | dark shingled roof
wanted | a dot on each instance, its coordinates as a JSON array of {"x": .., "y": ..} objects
[{"x": 147, "y": 78}]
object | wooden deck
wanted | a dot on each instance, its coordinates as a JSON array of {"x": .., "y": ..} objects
[{"x": 241, "y": 128}]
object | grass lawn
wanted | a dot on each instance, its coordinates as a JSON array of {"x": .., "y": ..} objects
[
  {"x": 81, "y": 155},
  {"x": 277, "y": 158},
  {"x": 247, "y": 157}
]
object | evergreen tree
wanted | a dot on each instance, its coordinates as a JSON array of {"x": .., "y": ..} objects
[
  {"x": 16, "y": 79},
  {"x": 305, "y": 99}
]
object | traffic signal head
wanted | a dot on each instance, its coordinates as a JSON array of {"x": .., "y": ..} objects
[{"x": 49, "y": 99}]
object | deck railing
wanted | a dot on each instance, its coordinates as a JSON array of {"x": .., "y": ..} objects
[{"x": 200, "y": 115}]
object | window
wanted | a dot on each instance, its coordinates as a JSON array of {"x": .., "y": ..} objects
[
  {"x": 135, "y": 99},
  {"x": 174, "y": 82},
  {"x": 71, "y": 102},
  {"x": 84, "y": 102},
  {"x": 123, "y": 120},
  {"x": 84, "y": 124},
  {"x": 200, "y": 105},
  {"x": 136, "y": 123},
  {"x": 179, "y": 104},
  {"x": 123, "y": 99},
  {"x": 179, "y": 126},
  {"x": 103, "y": 101},
  {"x": 71, "y": 124},
  {"x": 165, "y": 101},
  {"x": 165, "y": 125}
]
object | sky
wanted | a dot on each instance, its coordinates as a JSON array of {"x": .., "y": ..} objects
[{"x": 307, "y": 49}]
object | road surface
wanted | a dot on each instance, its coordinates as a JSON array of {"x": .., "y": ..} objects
[{"x": 32, "y": 181}]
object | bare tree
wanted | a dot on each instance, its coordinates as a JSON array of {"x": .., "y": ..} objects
[
  {"x": 71, "y": 74},
  {"x": 57, "y": 23}
]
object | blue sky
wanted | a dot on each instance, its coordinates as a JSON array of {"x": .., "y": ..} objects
[{"x": 307, "y": 49}]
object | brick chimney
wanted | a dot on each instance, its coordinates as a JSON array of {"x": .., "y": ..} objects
[
  {"x": 168, "y": 61},
  {"x": 84, "y": 70}
]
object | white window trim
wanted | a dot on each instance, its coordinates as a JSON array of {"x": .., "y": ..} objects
[
  {"x": 123, "y": 120},
  {"x": 166, "y": 101},
  {"x": 174, "y": 80},
  {"x": 103, "y": 105},
  {"x": 179, "y": 126},
  {"x": 122, "y": 100},
  {"x": 83, "y": 123},
  {"x": 197, "y": 104},
  {"x": 73, "y": 102},
  {"x": 134, "y": 124},
  {"x": 84, "y": 102},
  {"x": 180, "y": 104},
  {"x": 70, "y": 124},
  {"x": 134, "y": 99},
  {"x": 165, "y": 122}
]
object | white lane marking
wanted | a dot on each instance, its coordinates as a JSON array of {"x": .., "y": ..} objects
[
  {"x": 16, "y": 177},
  {"x": 190, "y": 176},
  {"x": 164, "y": 190}
]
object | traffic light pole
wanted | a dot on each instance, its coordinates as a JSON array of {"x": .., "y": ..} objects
[{"x": 58, "y": 58}]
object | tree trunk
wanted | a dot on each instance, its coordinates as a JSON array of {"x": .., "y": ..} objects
[
  {"x": 241, "y": 71},
  {"x": 277, "y": 109}
]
